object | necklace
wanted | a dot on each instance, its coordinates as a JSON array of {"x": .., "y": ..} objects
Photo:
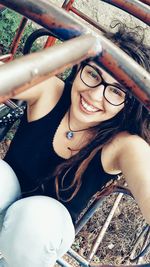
[{"x": 70, "y": 133}]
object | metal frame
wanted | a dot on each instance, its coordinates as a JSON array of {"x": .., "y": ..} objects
[
  {"x": 65, "y": 27},
  {"x": 83, "y": 46}
]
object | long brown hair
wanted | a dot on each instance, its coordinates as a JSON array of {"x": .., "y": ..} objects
[{"x": 133, "y": 118}]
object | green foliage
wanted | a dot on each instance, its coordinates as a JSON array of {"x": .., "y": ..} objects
[{"x": 9, "y": 23}]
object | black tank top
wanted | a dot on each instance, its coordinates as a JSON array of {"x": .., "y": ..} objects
[{"x": 32, "y": 157}]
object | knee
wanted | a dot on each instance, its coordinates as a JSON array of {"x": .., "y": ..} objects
[
  {"x": 42, "y": 226},
  {"x": 9, "y": 186},
  {"x": 42, "y": 217}
]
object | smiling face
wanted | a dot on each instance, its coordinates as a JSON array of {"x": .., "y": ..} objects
[{"x": 96, "y": 96}]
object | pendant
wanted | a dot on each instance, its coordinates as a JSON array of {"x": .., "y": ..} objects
[{"x": 69, "y": 135}]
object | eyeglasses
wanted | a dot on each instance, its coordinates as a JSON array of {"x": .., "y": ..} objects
[{"x": 92, "y": 78}]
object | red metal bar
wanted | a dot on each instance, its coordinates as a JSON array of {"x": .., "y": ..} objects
[
  {"x": 17, "y": 37},
  {"x": 88, "y": 19},
  {"x": 5, "y": 58},
  {"x": 133, "y": 7},
  {"x": 50, "y": 41},
  {"x": 47, "y": 15},
  {"x": 1, "y": 8},
  {"x": 66, "y": 5}
]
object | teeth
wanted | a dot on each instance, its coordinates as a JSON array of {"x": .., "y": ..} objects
[{"x": 88, "y": 107}]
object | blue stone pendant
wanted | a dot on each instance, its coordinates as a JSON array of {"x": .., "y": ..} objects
[{"x": 69, "y": 135}]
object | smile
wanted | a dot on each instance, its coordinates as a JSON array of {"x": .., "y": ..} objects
[{"x": 87, "y": 107}]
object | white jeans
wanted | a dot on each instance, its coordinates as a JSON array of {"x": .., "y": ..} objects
[{"x": 36, "y": 231}]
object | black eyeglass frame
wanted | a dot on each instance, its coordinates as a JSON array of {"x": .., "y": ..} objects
[{"x": 103, "y": 82}]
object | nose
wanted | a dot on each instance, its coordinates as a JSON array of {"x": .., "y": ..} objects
[{"x": 97, "y": 93}]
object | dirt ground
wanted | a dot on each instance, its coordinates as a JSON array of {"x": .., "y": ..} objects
[{"x": 127, "y": 222}]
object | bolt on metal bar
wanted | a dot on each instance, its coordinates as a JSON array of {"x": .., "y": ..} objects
[
  {"x": 133, "y": 7},
  {"x": 47, "y": 15},
  {"x": 31, "y": 70}
]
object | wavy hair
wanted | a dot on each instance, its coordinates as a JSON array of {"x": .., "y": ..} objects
[{"x": 133, "y": 118}]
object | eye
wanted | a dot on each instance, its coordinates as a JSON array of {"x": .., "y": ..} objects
[
  {"x": 116, "y": 91},
  {"x": 93, "y": 74}
]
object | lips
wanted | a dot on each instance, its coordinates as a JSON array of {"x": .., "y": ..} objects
[{"x": 86, "y": 106}]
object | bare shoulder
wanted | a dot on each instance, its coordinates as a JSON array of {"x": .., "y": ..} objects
[
  {"x": 124, "y": 145},
  {"x": 47, "y": 96},
  {"x": 127, "y": 141},
  {"x": 130, "y": 148}
]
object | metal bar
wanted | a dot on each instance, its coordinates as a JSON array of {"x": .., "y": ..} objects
[
  {"x": 5, "y": 58},
  {"x": 112, "y": 188},
  {"x": 78, "y": 258},
  {"x": 17, "y": 37},
  {"x": 133, "y": 7},
  {"x": 147, "y": 2},
  {"x": 122, "y": 265},
  {"x": 53, "y": 60},
  {"x": 104, "y": 228},
  {"x": 68, "y": 4},
  {"x": 145, "y": 231},
  {"x": 83, "y": 262},
  {"x": 125, "y": 70},
  {"x": 48, "y": 15},
  {"x": 116, "y": 62},
  {"x": 88, "y": 19},
  {"x": 63, "y": 263},
  {"x": 9, "y": 103},
  {"x": 88, "y": 214},
  {"x": 1, "y": 8}
]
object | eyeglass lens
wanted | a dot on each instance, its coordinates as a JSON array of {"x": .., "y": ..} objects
[{"x": 92, "y": 78}]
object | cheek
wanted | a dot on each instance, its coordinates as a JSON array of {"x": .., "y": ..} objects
[
  {"x": 114, "y": 110},
  {"x": 77, "y": 86}
]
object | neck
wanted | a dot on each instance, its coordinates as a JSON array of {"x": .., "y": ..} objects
[
  {"x": 75, "y": 124},
  {"x": 80, "y": 131}
]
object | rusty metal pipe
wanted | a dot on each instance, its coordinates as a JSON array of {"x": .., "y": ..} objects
[
  {"x": 34, "y": 68},
  {"x": 112, "y": 59},
  {"x": 133, "y": 7},
  {"x": 147, "y": 2},
  {"x": 88, "y": 19},
  {"x": 18, "y": 35},
  {"x": 124, "y": 69},
  {"x": 47, "y": 15}
]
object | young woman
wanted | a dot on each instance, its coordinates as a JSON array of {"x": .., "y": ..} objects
[{"x": 74, "y": 137}]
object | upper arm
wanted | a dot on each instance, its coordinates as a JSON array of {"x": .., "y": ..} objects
[
  {"x": 34, "y": 93},
  {"x": 134, "y": 162}
]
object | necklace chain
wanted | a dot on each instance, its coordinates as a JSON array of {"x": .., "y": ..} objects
[{"x": 70, "y": 133}]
